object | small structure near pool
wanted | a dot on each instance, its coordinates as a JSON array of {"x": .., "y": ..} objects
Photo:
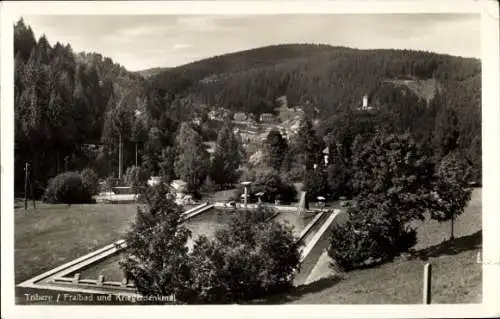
[
  {"x": 179, "y": 189},
  {"x": 154, "y": 180},
  {"x": 179, "y": 186}
]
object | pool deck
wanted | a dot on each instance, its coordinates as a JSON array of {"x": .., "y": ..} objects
[{"x": 113, "y": 198}]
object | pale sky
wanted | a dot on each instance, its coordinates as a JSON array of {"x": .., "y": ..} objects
[{"x": 140, "y": 42}]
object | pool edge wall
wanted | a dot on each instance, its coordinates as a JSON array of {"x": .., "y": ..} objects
[{"x": 318, "y": 247}]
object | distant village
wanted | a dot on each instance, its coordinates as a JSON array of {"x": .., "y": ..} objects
[{"x": 250, "y": 129}]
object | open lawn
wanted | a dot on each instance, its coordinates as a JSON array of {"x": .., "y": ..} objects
[
  {"x": 456, "y": 273},
  {"x": 54, "y": 234}
]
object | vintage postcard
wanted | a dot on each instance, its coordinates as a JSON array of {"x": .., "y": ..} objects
[{"x": 267, "y": 158}]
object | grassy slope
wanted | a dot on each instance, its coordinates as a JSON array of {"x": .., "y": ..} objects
[
  {"x": 150, "y": 72},
  {"x": 425, "y": 89},
  {"x": 54, "y": 234},
  {"x": 456, "y": 274}
]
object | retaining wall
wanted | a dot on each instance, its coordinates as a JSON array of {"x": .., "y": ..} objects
[{"x": 315, "y": 247}]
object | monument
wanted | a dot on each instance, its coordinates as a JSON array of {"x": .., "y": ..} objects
[
  {"x": 245, "y": 185},
  {"x": 303, "y": 203}
]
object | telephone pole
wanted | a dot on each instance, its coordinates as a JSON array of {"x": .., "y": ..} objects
[
  {"x": 120, "y": 157},
  {"x": 26, "y": 182},
  {"x": 26, "y": 165},
  {"x": 31, "y": 192}
]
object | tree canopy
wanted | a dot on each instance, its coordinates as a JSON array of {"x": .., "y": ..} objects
[
  {"x": 227, "y": 157},
  {"x": 66, "y": 102}
]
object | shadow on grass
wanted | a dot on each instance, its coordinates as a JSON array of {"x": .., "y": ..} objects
[
  {"x": 297, "y": 292},
  {"x": 451, "y": 247}
]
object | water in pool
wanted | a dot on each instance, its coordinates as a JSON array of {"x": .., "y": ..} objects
[{"x": 206, "y": 224}]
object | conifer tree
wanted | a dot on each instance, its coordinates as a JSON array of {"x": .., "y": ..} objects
[
  {"x": 308, "y": 144},
  {"x": 157, "y": 255},
  {"x": 275, "y": 149},
  {"x": 192, "y": 163},
  {"x": 226, "y": 159}
]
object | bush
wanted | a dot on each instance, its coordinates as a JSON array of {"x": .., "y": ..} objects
[
  {"x": 112, "y": 181},
  {"x": 137, "y": 178},
  {"x": 315, "y": 184},
  {"x": 38, "y": 190},
  {"x": 90, "y": 181},
  {"x": 337, "y": 179},
  {"x": 67, "y": 188},
  {"x": 373, "y": 234},
  {"x": 295, "y": 174},
  {"x": 249, "y": 259},
  {"x": 270, "y": 182}
]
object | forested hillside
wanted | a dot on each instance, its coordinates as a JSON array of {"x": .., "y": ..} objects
[
  {"x": 62, "y": 102},
  {"x": 150, "y": 72},
  {"x": 65, "y": 100},
  {"x": 331, "y": 78},
  {"x": 434, "y": 96}
]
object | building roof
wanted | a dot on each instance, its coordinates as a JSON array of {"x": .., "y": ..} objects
[
  {"x": 266, "y": 115},
  {"x": 179, "y": 185},
  {"x": 210, "y": 147}
]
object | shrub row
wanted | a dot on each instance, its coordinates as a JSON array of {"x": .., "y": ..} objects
[{"x": 72, "y": 187}]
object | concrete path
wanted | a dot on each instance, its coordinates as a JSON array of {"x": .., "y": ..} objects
[
  {"x": 115, "y": 198},
  {"x": 321, "y": 269}
]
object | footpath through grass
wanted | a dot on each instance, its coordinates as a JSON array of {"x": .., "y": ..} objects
[
  {"x": 52, "y": 235},
  {"x": 456, "y": 275}
]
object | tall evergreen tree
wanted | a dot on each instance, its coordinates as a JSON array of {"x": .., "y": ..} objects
[
  {"x": 315, "y": 183},
  {"x": 226, "y": 159},
  {"x": 157, "y": 254},
  {"x": 275, "y": 149},
  {"x": 24, "y": 39},
  {"x": 192, "y": 163},
  {"x": 337, "y": 171},
  {"x": 167, "y": 160},
  {"x": 446, "y": 132},
  {"x": 308, "y": 144}
]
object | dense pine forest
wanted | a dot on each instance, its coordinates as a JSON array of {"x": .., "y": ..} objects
[{"x": 71, "y": 109}]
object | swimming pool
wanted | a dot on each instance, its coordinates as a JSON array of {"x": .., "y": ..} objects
[{"x": 206, "y": 223}]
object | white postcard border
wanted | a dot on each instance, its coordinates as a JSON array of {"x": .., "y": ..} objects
[{"x": 11, "y": 11}]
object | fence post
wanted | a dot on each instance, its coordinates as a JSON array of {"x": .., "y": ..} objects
[
  {"x": 100, "y": 280},
  {"x": 427, "y": 284},
  {"x": 76, "y": 278}
]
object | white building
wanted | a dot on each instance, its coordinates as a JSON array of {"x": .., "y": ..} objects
[
  {"x": 179, "y": 187},
  {"x": 365, "y": 106}
]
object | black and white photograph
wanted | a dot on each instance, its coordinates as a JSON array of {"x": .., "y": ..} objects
[{"x": 173, "y": 156}]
